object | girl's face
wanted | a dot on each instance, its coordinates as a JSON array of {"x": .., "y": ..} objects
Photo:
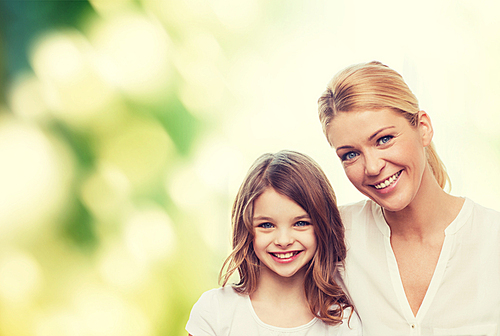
[
  {"x": 382, "y": 154},
  {"x": 284, "y": 236}
]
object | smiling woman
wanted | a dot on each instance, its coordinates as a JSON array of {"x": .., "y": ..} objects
[
  {"x": 288, "y": 246},
  {"x": 414, "y": 249},
  {"x": 380, "y": 150}
]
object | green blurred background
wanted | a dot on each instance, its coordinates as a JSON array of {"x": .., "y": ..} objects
[{"x": 126, "y": 127}]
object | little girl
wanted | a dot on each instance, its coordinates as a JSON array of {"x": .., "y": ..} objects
[{"x": 288, "y": 243}]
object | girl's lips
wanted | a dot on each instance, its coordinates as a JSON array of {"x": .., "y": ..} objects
[{"x": 285, "y": 260}]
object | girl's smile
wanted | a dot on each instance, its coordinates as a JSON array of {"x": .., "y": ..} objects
[
  {"x": 284, "y": 238},
  {"x": 285, "y": 257}
]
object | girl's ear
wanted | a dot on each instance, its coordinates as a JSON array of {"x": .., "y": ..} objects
[{"x": 425, "y": 128}]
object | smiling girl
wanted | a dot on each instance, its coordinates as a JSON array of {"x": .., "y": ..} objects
[
  {"x": 288, "y": 246},
  {"x": 420, "y": 261}
]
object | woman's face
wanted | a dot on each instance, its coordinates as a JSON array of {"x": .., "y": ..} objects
[{"x": 382, "y": 154}]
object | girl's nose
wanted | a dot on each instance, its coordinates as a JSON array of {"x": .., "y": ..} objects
[
  {"x": 373, "y": 164},
  {"x": 284, "y": 238}
]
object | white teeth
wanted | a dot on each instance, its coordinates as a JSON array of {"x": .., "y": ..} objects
[
  {"x": 284, "y": 255},
  {"x": 388, "y": 182}
]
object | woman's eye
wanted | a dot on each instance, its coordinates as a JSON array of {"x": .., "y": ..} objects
[
  {"x": 265, "y": 225},
  {"x": 349, "y": 156},
  {"x": 302, "y": 223},
  {"x": 385, "y": 139}
]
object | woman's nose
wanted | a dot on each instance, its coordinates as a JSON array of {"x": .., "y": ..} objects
[{"x": 373, "y": 164}]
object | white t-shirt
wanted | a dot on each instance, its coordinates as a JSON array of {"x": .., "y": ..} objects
[
  {"x": 223, "y": 312},
  {"x": 463, "y": 297}
]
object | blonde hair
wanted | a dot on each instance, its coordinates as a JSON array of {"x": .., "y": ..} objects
[
  {"x": 372, "y": 86},
  {"x": 300, "y": 178}
]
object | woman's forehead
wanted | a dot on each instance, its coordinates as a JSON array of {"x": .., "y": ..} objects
[{"x": 347, "y": 127}]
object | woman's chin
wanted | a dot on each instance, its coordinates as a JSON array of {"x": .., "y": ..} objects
[{"x": 391, "y": 204}]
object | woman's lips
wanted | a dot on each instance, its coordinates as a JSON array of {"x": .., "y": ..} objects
[{"x": 388, "y": 182}]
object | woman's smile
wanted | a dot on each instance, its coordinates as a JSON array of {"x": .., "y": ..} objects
[
  {"x": 390, "y": 182},
  {"x": 382, "y": 154}
]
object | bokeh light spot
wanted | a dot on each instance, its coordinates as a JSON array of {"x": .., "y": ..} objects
[
  {"x": 119, "y": 268},
  {"x": 20, "y": 276},
  {"x": 140, "y": 150},
  {"x": 106, "y": 192},
  {"x": 34, "y": 177},
  {"x": 71, "y": 85},
  {"x": 26, "y": 98},
  {"x": 149, "y": 235},
  {"x": 134, "y": 55}
]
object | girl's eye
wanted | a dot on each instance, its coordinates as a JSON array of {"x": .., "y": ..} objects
[
  {"x": 266, "y": 225},
  {"x": 349, "y": 156},
  {"x": 385, "y": 139},
  {"x": 302, "y": 223}
]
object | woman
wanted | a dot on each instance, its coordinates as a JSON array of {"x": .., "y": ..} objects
[{"x": 420, "y": 261}]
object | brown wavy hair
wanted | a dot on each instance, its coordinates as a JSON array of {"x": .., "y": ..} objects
[
  {"x": 372, "y": 86},
  {"x": 300, "y": 178}
]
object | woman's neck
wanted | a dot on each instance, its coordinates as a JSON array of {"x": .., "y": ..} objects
[{"x": 430, "y": 212}]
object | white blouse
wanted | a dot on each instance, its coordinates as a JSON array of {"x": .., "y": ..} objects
[
  {"x": 463, "y": 297},
  {"x": 223, "y": 312}
]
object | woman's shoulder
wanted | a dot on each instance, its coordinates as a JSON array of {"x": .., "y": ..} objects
[
  {"x": 482, "y": 215},
  {"x": 356, "y": 211},
  {"x": 483, "y": 210},
  {"x": 351, "y": 324},
  {"x": 356, "y": 206}
]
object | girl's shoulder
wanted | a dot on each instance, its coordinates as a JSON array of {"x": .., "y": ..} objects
[
  {"x": 214, "y": 309},
  {"x": 220, "y": 297}
]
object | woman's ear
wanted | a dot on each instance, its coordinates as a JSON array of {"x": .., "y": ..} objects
[{"x": 425, "y": 127}]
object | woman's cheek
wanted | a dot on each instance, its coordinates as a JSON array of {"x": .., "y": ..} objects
[{"x": 353, "y": 173}]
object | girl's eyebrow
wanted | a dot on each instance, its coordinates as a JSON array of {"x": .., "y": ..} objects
[{"x": 259, "y": 218}]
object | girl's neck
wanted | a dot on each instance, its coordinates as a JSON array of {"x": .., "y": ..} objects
[
  {"x": 277, "y": 288},
  {"x": 279, "y": 301},
  {"x": 430, "y": 212}
]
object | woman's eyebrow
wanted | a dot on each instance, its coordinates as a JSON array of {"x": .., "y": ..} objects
[
  {"x": 343, "y": 147},
  {"x": 370, "y": 138},
  {"x": 379, "y": 131}
]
